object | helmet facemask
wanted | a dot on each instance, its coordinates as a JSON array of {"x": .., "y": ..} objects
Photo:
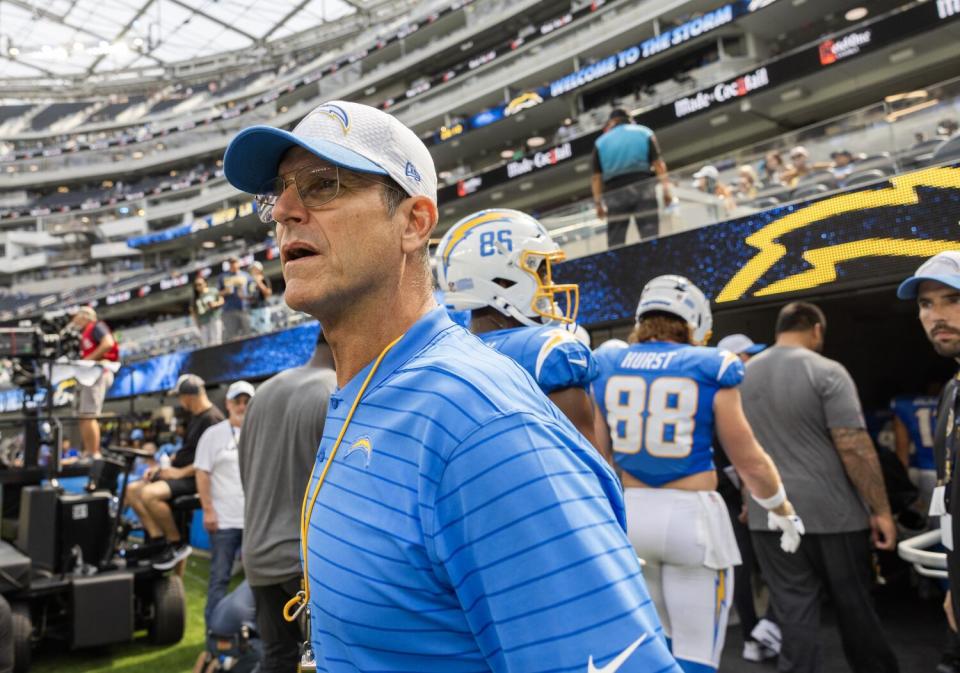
[{"x": 555, "y": 303}]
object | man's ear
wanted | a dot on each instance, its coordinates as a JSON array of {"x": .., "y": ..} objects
[{"x": 419, "y": 220}]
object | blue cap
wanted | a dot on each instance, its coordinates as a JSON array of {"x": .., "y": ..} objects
[
  {"x": 943, "y": 268},
  {"x": 136, "y": 434}
]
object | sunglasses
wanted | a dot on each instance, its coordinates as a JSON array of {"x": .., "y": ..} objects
[{"x": 316, "y": 186}]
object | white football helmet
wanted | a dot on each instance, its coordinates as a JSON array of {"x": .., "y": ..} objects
[
  {"x": 677, "y": 296},
  {"x": 611, "y": 345},
  {"x": 503, "y": 259}
]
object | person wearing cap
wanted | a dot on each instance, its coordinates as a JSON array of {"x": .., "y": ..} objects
[
  {"x": 740, "y": 345},
  {"x": 97, "y": 344},
  {"x": 221, "y": 492},
  {"x": 748, "y": 183},
  {"x": 452, "y": 513},
  {"x": 235, "y": 290},
  {"x": 766, "y": 643},
  {"x": 798, "y": 167},
  {"x": 935, "y": 286},
  {"x": 260, "y": 291},
  {"x": 150, "y": 497},
  {"x": 625, "y": 159},
  {"x": 707, "y": 180},
  {"x": 841, "y": 163},
  {"x": 805, "y": 410}
]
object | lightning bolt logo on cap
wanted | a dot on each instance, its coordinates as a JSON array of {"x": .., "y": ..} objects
[{"x": 337, "y": 113}]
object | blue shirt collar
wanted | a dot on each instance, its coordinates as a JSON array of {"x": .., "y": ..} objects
[{"x": 420, "y": 334}]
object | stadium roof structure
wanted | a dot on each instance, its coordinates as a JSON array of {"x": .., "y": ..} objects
[{"x": 71, "y": 38}]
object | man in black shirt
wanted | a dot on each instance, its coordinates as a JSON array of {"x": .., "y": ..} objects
[
  {"x": 150, "y": 497},
  {"x": 936, "y": 288}
]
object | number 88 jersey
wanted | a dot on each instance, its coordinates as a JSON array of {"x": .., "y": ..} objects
[{"x": 657, "y": 399}]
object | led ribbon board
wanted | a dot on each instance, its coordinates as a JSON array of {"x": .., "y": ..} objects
[{"x": 876, "y": 235}]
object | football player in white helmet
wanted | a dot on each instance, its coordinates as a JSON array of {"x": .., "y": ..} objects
[
  {"x": 662, "y": 397},
  {"x": 498, "y": 263}
]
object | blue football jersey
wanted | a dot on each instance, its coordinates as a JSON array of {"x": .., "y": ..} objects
[
  {"x": 657, "y": 398},
  {"x": 466, "y": 526},
  {"x": 552, "y": 355},
  {"x": 919, "y": 415}
]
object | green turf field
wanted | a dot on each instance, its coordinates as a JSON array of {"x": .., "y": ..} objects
[{"x": 139, "y": 656}]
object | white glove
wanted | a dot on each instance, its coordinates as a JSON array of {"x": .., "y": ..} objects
[{"x": 792, "y": 528}]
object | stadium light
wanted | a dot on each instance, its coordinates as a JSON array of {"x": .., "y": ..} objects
[{"x": 856, "y": 13}]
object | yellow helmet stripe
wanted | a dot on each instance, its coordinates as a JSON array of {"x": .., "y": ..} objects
[{"x": 457, "y": 234}]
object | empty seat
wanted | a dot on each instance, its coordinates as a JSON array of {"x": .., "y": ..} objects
[
  {"x": 881, "y": 162},
  {"x": 862, "y": 177},
  {"x": 821, "y": 177},
  {"x": 778, "y": 192},
  {"x": 764, "y": 203},
  {"x": 948, "y": 151},
  {"x": 808, "y": 191}
]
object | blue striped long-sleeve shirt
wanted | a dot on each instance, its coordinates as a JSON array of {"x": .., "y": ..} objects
[{"x": 465, "y": 526}]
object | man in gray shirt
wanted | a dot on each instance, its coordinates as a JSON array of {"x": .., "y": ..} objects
[
  {"x": 278, "y": 447},
  {"x": 805, "y": 412}
]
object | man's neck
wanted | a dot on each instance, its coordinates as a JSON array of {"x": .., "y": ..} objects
[
  {"x": 358, "y": 335},
  {"x": 794, "y": 340},
  {"x": 236, "y": 422}
]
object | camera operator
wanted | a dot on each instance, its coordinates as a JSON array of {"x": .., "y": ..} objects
[{"x": 98, "y": 345}]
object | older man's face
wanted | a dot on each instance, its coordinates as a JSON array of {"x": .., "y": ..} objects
[
  {"x": 940, "y": 316},
  {"x": 340, "y": 251}
]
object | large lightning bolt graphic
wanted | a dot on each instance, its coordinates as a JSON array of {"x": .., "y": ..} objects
[{"x": 824, "y": 260}]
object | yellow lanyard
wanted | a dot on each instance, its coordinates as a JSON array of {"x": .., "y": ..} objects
[{"x": 302, "y": 599}]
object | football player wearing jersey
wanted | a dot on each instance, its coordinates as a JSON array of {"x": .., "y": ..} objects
[
  {"x": 498, "y": 264},
  {"x": 914, "y": 426},
  {"x": 663, "y": 397},
  {"x": 454, "y": 520}
]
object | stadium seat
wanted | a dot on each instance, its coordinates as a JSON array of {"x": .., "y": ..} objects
[
  {"x": 862, "y": 177},
  {"x": 819, "y": 177},
  {"x": 881, "y": 162},
  {"x": 807, "y": 191},
  {"x": 948, "y": 151},
  {"x": 764, "y": 203}
]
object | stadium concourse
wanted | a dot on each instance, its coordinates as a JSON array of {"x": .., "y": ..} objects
[{"x": 562, "y": 177}]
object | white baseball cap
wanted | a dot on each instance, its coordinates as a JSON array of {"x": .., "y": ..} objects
[
  {"x": 740, "y": 343},
  {"x": 707, "y": 171},
  {"x": 238, "y": 388},
  {"x": 351, "y": 135},
  {"x": 944, "y": 267}
]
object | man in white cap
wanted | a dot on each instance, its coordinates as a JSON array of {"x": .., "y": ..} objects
[
  {"x": 764, "y": 645},
  {"x": 150, "y": 497},
  {"x": 221, "y": 492},
  {"x": 454, "y": 518},
  {"x": 936, "y": 288},
  {"x": 740, "y": 345}
]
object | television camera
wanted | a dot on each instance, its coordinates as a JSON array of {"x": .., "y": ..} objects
[{"x": 32, "y": 343}]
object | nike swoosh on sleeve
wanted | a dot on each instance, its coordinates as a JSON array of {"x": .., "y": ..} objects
[
  {"x": 618, "y": 661},
  {"x": 582, "y": 363}
]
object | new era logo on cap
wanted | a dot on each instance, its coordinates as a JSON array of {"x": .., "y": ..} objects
[{"x": 411, "y": 172}]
